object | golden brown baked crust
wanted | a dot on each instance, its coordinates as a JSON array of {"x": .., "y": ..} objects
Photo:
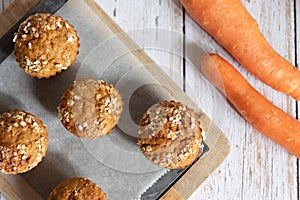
[
  {"x": 77, "y": 189},
  {"x": 90, "y": 108},
  {"x": 23, "y": 141},
  {"x": 45, "y": 44},
  {"x": 170, "y": 135}
]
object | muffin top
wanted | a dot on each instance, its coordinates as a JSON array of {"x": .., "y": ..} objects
[
  {"x": 45, "y": 44},
  {"x": 170, "y": 135},
  {"x": 90, "y": 108},
  {"x": 77, "y": 189},
  {"x": 23, "y": 141}
]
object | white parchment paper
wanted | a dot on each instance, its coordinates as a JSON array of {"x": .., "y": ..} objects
[{"x": 114, "y": 162}]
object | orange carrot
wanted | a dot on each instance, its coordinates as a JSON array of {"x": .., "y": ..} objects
[
  {"x": 255, "y": 108},
  {"x": 233, "y": 27}
]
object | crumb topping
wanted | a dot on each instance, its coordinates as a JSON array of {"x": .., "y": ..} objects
[
  {"x": 77, "y": 188},
  {"x": 170, "y": 134},
  {"x": 90, "y": 108},
  {"x": 23, "y": 143},
  {"x": 45, "y": 44}
]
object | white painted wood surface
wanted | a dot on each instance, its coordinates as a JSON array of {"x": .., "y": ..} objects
[
  {"x": 256, "y": 167},
  {"x": 4, "y": 4}
]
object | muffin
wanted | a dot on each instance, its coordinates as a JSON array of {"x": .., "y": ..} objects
[
  {"x": 77, "y": 189},
  {"x": 90, "y": 108},
  {"x": 23, "y": 141},
  {"x": 170, "y": 135},
  {"x": 45, "y": 45}
]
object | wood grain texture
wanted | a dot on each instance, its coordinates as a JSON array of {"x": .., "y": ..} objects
[
  {"x": 172, "y": 194},
  {"x": 125, "y": 16},
  {"x": 256, "y": 168},
  {"x": 216, "y": 157},
  {"x": 191, "y": 180},
  {"x": 268, "y": 163},
  {"x": 297, "y": 42},
  {"x": 8, "y": 190},
  {"x": 137, "y": 15},
  {"x": 209, "y": 162},
  {"x": 5, "y": 3},
  {"x": 8, "y": 18}
]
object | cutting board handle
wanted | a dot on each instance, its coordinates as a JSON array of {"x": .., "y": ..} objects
[
  {"x": 172, "y": 194},
  {"x": 13, "y": 13},
  {"x": 7, "y": 190}
]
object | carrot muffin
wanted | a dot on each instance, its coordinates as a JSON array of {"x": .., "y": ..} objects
[
  {"x": 23, "y": 141},
  {"x": 77, "y": 189},
  {"x": 169, "y": 135},
  {"x": 90, "y": 108},
  {"x": 45, "y": 44}
]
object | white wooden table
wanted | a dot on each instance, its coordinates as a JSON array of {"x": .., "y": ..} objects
[{"x": 256, "y": 168}]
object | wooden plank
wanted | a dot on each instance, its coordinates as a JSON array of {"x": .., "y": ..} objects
[
  {"x": 297, "y": 41},
  {"x": 274, "y": 167},
  {"x": 7, "y": 190},
  {"x": 190, "y": 178},
  {"x": 226, "y": 180},
  {"x": 189, "y": 182},
  {"x": 10, "y": 18},
  {"x": 15, "y": 188},
  {"x": 256, "y": 167},
  {"x": 145, "y": 59},
  {"x": 4, "y": 4},
  {"x": 217, "y": 186},
  {"x": 133, "y": 16},
  {"x": 172, "y": 194},
  {"x": 1, "y": 9}
]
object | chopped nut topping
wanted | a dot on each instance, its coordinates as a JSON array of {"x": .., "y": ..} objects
[
  {"x": 39, "y": 39},
  {"x": 15, "y": 38},
  {"x": 170, "y": 135},
  {"x": 58, "y": 65},
  {"x": 22, "y": 123},
  {"x": 19, "y": 127},
  {"x": 92, "y": 112}
]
